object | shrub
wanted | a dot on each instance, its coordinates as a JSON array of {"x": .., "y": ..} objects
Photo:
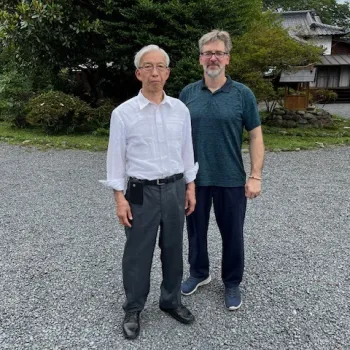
[
  {"x": 323, "y": 96},
  {"x": 57, "y": 112},
  {"x": 102, "y": 115},
  {"x": 101, "y": 132},
  {"x": 15, "y": 91}
]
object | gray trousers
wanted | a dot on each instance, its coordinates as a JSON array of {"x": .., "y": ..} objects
[{"x": 163, "y": 207}]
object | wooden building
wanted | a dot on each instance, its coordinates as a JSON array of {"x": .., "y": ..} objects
[{"x": 333, "y": 70}]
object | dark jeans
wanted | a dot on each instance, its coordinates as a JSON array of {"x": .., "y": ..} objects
[{"x": 229, "y": 207}]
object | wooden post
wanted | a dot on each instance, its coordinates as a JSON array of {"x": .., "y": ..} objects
[
  {"x": 285, "y": 95},
  {"x": 307, "y": 94}
]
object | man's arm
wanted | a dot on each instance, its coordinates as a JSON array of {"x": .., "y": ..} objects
[
  {"x": 190, "y": 168},
  {"x": 256, "y": 151},
  {"x": 116, "y": 153},
  {"x": 116, "y": 167}
]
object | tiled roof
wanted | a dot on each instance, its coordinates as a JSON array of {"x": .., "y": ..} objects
[
  {"x": 334, "y": 60},
  {"x": 307, "y": 24}
]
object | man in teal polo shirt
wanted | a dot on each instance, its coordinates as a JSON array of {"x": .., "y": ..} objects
[{"x": 220, "y": 108}]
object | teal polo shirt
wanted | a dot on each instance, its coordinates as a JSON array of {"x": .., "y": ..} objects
[{"x": 218, "y": 120}]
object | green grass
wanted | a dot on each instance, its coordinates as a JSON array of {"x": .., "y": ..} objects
[
  {"x": 276, "y": 139},
  {"x": 37, "y": 138},
  {"x": 290, "y": 139}
]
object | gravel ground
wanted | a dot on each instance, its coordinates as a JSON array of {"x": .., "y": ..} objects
[
  {"x": 341, "y": 109},
  {"x": 61, "y": 250}
]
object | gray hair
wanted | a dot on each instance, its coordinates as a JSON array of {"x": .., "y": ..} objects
[
  {"x": 215, "y": 35},
  {"x": 147, "y": 49}
]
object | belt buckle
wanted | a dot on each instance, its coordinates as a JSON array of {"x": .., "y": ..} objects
[{"x": 159, "y": 183}]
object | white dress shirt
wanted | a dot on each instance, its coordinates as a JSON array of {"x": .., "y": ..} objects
[{"x": 149, "y": 141}]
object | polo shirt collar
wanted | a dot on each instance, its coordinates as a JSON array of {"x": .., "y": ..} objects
[
  {"x": 143, "y": 101},
  {"x": 225, "y": 88}
]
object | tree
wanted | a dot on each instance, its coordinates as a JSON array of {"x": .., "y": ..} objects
[
  {"x": 17, "y": 87},
  {"x": 107, "y": 33},
  {"x": 267, "y": 47},
  {"x": 329, "y": 11}
]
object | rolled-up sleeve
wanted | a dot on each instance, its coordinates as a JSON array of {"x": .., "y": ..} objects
[
  {"x": 190, "y": 168},
  {"x": 116, "y": 154}
]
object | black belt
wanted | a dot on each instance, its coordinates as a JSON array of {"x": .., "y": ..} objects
[{"x": 164, "y": 181}]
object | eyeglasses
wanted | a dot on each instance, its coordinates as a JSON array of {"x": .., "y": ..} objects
[
  {"x": 150, "y": 67},
  {"x": 217, "y": 54}
]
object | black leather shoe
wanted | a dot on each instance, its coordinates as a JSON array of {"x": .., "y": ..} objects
[
  {"x": 181, "y": 314},
  {"x": 131, "y": 324}
]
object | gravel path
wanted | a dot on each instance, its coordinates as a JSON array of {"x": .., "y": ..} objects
[
  {"x": 340, "y": 109},
  {"x": 61, "y": 250}
]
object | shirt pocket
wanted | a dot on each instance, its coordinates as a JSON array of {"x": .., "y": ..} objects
[{"x": 175, "y": 130}]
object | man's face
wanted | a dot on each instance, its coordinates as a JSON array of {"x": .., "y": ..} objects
[
  {"x": 213, "y": 66},
  {"x": 153, "y": 71}
]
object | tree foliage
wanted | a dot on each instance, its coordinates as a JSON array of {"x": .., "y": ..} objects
[
  {"x": 17, "y": 87},
  {"x": 107, "y": 34},
  {"x": 329, "y": 11},
  {"x": 267, "y": 47},
  {"x": 103, "y": 36}
]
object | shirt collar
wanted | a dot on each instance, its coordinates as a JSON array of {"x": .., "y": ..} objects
[
  {"x": 225, "y": 88},
  {"x": 143, "y": 101}
]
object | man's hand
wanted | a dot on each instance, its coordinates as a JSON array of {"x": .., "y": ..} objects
[
  {"x": 190, "y": 200},
  {"x": 122, "y": 208},
  {"x": 252, "y": 188}
]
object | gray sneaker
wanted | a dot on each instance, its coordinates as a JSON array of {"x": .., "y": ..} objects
[{"x": 189, "y": 286}]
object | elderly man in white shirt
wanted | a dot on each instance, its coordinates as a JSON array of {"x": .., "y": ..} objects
[{"x": 150, "y": 155}]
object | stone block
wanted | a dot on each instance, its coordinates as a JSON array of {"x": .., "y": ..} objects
[
  {"x": 313, "y": 121},
  {"x": 279, "y": 111},
  {"x": 309, "y": 116},
  {"x": 291, "y": 124}
]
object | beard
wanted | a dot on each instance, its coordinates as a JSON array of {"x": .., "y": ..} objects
[{"x": 213, "y": 73}]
